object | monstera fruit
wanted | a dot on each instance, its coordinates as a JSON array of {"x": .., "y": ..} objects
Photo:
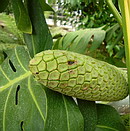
[{"x": 79, "y": 76}]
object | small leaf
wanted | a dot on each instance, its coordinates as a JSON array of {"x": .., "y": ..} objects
[
  {"x": 21, "y": 16},
  {"x": 121, "y": 53},
  {"x": 45, "y": 6},
  {"x": 3, "y": 5},
  {"x": 56, "y": 44},
  {"x": 111, "y": 31},
  {"x": 108, "y": 119}
]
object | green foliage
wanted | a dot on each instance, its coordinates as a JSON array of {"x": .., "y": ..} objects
[
  {"x": 3, "y": 5},
  {"x": 91, "y": 14},
  {"x": 40, "y": 39},
  {"x": 28, "y": 105},
  {"x": 108, "y": 119},
  {"x": 89, "y": 112},
  {"x": 97, "y": 43},
  {"x": 82, "y": 40},
  {"x": 75, "y": 3},
  {"x": 45, "y": 7},
  {"x": 114, "y": 41},
  {"x": 1, "y": 57},
  {"x": 25, "y": 104},
  {"x": 57, "y": 32},
  {"x": 21, "y": 16},
  {"x": 100, "y": 117},
  {"x": 86, "y": 15}
]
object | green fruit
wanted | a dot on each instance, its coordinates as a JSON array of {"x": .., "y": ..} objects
[{"x": 79, "y": 76}]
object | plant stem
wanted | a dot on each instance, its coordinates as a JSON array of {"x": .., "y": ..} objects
[
  {"x": 114, "y": 11},
  {"x": 125, "y": 11}
]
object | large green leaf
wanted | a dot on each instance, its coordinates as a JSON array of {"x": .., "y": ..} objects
[
  {"x": 21, "y": 16},
  {"x": 27, "y": 105},
  {"x": 40, "y": 39},
  {"x": 63, "y": 115},
  {"x": 78, "y": 41}
]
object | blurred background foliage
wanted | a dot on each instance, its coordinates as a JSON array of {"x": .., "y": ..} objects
[{"x": 91, "y": 14}]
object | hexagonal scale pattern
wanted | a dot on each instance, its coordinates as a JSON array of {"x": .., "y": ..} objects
[
  {"x": 54, "y": 75},
  {"x": 51, "y": 65},
  {"x": 41, "y": 66},
  {"x": 43, "y": 75},
  {"x": 35, "y": 60},
  {"x": 64, "y": 76},
  {"x": 62, "y": 67},
  {"x": 62, "y": 60},
  {"x": 79, "y": 76}
]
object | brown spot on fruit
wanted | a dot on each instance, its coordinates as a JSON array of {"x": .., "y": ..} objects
[{"x": 71, "y": 62}]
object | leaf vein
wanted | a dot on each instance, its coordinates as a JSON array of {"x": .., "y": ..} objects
[
  {"x": 4, "y": 112},
  {"x": 102, "y": 126},
  {"x": 66, "y": 113},
  {"x": 35, "y": 101},
  {"x": 4, "y": 74},
  {"x": 19, "y": 60},
  {"x": 11, "y": 82}
]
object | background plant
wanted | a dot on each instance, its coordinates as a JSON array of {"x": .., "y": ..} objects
[{"x": 93, "y": 14}]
